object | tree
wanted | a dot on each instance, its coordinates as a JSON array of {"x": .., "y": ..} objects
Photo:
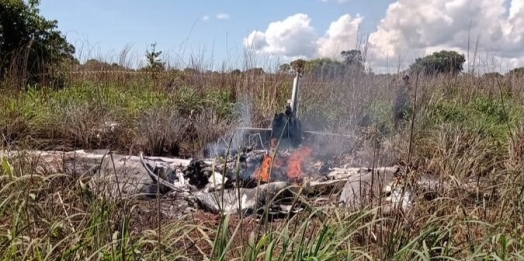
[
  {"x": 493, "y": 75},
  {"x": 30, "y": 45},
  {"x": 154, "y": 63},
  {"x": 321, "y": 67},
  {"x": 325, "y": 68},
  {"x": 236, "y": 72},
  {"x": 284, "y": 68},
  {"x": 96, "y": 65},
  {"x": 353, "y": 60},
  {"x": 352, "y": 57},
  {"x": 254, "y": 71},
  {"x": 516, "y": 72},
  {"x": 442, "y": 62},
  {"x": 190, "y": 71},
  {"x": 298, "y": 65}
]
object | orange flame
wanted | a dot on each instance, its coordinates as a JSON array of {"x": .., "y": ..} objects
[
  {"x": 294, "y": 167},
  {"x": 262, "y": 172},
  {"x": 294, "y": 164}
]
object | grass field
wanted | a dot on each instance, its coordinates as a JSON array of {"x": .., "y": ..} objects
[{"x": 466, "y": 126}]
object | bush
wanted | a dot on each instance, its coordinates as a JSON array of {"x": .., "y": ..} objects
[
  {"x": 161, "y": 130},
  {"x": 30, "y": 46},
  {"x": 443, "y": 62}
]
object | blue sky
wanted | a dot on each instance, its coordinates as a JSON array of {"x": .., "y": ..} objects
[
  {"x": 398, "y": 31},
  {"x": 178, "y": 26}
]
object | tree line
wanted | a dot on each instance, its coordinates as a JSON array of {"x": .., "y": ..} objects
[{"x": 33, "y": 49}]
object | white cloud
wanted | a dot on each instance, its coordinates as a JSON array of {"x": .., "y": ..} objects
[
  {"x": 341, "y": 35},
  {"x": 412, "y": 28},
  {"x": 205, "y": 18},
  {"x": 291, "y": 37},
  {"x": 409, "y": 29},
  {"x": 294, "y": 37},
  {"x": 222, "y": 16}
]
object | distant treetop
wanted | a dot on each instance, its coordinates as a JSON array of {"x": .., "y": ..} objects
[{"x": 442, "y": 62}]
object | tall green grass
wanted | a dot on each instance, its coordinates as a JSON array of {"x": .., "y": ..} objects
[{"x": 461, "y": 131}]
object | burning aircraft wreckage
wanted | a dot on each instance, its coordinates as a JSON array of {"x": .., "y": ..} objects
[{"x": 278, "y": 170}]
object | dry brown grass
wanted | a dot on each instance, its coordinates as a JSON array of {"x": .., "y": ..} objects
[{"x": 465, "y": 128}]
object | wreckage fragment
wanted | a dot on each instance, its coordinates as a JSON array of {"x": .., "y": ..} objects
[
  {"x": 287, "y": 129},
  {"x": 198, "y": 173},
  {"x": 250, "y": 200},
  {"x": 362, "y": 183},
  {"x": 195, "y": 181}
]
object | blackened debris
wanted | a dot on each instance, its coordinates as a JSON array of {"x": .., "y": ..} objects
[
  {"x": 163, "y": 172},
  {"x": 327, "y": 164},
  {"x": 198, "y": 173},
  {"x": 287, "y": 128}
]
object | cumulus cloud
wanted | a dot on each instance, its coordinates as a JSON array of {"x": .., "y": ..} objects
[
  {"x": 341, "y": 35},
  {"x": 414, "y": 28},
  {"x": 291, "y": 37},
  {"x": 205, "y": 17},
  {"x": 222, "y": 16},
  {"x": 409, "y": 29},
  {"x": 295, "y": 37}
]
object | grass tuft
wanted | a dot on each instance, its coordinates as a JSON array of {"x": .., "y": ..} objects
[{"x": 466, "y": 130}]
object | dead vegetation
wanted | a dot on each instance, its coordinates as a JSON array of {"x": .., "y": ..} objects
[{"x": 462, "y": 133}]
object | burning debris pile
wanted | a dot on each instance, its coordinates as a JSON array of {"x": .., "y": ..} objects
[
  {"x": 267, "y": 175},
  {"x": 270, "y": 173},
  {"x": 257, "y": 174},
  {"x": 281, "y": 161},
  {"x": 253, "y": 166},
  {"x": 199, "y": 184},
  {"x": 285, "y": 156},
  {"x": 265, "y": 181}
]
